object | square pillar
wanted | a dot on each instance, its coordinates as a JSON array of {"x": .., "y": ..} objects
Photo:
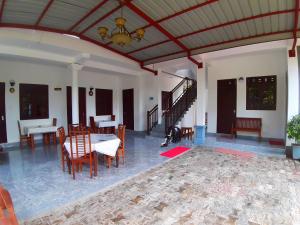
[
  {"x": 292, "y": 90},
  {"x": 75, "y": 68},
  {"x": 200, "y": 127}
]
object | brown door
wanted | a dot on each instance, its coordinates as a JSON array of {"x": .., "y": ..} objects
[
  {"x": 82, "y": 105},
  {"x": 69, "y": 104},
  {"x": 104, "y": 102},
  {"x": 166, "y": 100},
  {"x": 226, "y": 105},
  {"x": 3, "y": 135},
  {"x": 128, "y": 109}
]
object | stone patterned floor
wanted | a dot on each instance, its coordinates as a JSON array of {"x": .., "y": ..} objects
[{"x": 199, "y": 187}]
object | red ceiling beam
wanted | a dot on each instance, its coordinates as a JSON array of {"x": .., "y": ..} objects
[
  {"x": 2, "y": 9},
  {"x": 194, "y": 7},
  {"x": 103, "y": 17},
  {"x": 155, "y": 72},
  {"x": 156, "y": 25},
  {"x": 292, "y": 52},
  {"x": 88, "y": 14},
  {"x": 199, "y": 64},
  {"x": 44, "y": 12},
  {"x": 221, "y": 43},
  {"x": 217, "y": 26}
]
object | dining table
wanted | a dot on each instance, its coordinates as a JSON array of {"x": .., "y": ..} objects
[
  {"x": 38, "y": 129},
  {"x": 106, "y": 144}
]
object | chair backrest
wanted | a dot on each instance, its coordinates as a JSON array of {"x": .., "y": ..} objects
[
  {"x": 113, "y": 117},
  {"x": 92, "y": 123},
  {"x": 54, "y": 122},
  {"x": 121, "y": 134},
  {"x": 19, "y": 127},
  {"x": 80, "y": 142},
  {"x": 75, "y": 127},
  {"x": 7, "y": 213},
  {"x": 62, "y": 135}
]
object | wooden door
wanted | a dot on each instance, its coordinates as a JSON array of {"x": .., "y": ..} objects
[
  {"x": 166, "y": 100},
  {"x": 69, "y": 104},
  {"x": 82, "y": 105},
  {"x": 128, "y": 109},
  {"x": 3, "y": 134},
  {"x": 104, "y": 102},
  {"x": 226, "y": 103}
]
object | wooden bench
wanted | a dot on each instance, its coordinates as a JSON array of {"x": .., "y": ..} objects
[{"x": 247, "y": 125}]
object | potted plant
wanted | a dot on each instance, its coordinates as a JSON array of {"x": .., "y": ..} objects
[{"x": 293, "y": 132}]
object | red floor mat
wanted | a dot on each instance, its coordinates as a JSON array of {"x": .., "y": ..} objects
[
  {"x": 241, "y": 154},
  {"x": 174, "y": 152},
  {"x": 276, "y": 142}
]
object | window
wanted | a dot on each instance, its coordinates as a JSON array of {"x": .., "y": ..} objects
[
  {"x": 261, "y": 93},
  {"x": 104, "y": 102},
  {"x": 34, "y": 101}
]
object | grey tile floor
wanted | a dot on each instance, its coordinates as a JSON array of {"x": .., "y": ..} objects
[{"x": 38, "y": 185}]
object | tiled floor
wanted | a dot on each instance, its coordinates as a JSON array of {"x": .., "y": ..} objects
[
  {"x": 201, "y": 186},
  {"x": 38, "y": 185}
]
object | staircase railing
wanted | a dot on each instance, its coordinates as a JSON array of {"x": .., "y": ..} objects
[
  {"x": 152, "y": 118},
  {"x": 182, "y": 103}
]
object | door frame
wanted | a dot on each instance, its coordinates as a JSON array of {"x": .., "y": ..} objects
[
  {"x": 4, "y": 138},
  {"x": 218, "y": 109},
  {"x": 69, "y": 104},
  {"x": 124, "y": 90}
]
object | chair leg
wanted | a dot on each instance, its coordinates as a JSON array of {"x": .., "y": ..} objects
[
  {"x": 69, "y": 165},
  {"x": 63, "y": 161},
  {"x": 108, "y": 161},
  {"x": 95, "y": 164},
  {"x": 73, "y": 170}
]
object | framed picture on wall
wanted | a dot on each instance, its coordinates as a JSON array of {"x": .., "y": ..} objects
[{"x": 261, "y": 93}]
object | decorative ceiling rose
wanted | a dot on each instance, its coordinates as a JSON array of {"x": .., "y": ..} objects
[{"x": 120, "y": 34}]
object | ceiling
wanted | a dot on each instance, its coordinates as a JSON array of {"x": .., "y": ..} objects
[{"x": 174, "y": 28}]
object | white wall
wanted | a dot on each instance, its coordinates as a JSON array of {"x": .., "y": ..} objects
[
  {"x": 271, "y": 62},
  {"x": 60, "y": 76},
  {"x": 23, "y": 72}
]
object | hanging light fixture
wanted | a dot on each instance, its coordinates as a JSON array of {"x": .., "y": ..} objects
[{"x": 120, "y": 35}]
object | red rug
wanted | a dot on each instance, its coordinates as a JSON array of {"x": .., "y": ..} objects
[
  {"x": 276, "y": 142},
  {"x": 174, "y": 152},
  {"x": 241, "y": 154}
]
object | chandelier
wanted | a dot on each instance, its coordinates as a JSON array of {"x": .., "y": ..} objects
[{"x": 120, "y": 34}]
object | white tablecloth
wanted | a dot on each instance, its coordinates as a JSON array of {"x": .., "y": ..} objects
[
  {"x": 106, "y": 144},
  {"x": 39, "y": 129},
  {"x": 108, "y": 123}
]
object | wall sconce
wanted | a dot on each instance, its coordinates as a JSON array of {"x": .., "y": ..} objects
[
  {"x": 241, "y": 79},
  {"x": 12, "y": 84},
  {"x": 91, "y": 91}
]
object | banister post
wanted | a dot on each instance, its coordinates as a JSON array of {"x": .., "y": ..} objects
[{"x": 148, "y": 120}]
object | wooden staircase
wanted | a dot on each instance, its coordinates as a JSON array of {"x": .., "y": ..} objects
[{"x": 176, "y": 111}]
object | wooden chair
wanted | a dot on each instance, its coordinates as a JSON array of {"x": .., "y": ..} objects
[
  {"x": 23, "y": 138},
  {"x": 121, "y": 149},
  {"x": 94, "y": 128},
  {"x": 7, "y": 212},
  {"x": 81, "y": 151},
  {"x": 75, "y": 127},
  {"x": 121, "y": 136},
  {"x": 64, "y": 153},
  {"x": 47, "y": 136}
]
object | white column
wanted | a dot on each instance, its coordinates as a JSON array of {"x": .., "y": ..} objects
[
  {"x": 158, "y": 87},
  {"x": 200, "y": 106},
  {"x": 201, "y": 96},
  {"x": 75, "y": 68},
  {"x": 293, "y": 90}
]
